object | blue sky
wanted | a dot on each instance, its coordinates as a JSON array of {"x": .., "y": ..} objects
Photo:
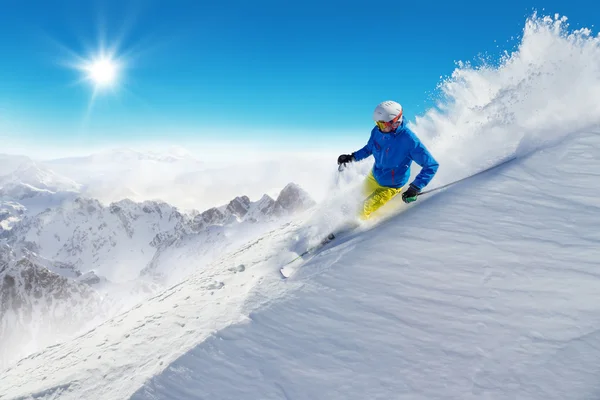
[{"x": 240, "y": 70}]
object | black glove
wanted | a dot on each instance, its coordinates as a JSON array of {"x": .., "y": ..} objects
[
  {"x": 411, "y": 194},
  {"x": 345, "y": 158}
]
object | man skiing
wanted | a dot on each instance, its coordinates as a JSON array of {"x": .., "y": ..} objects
[{"x": 394, "y": 147}]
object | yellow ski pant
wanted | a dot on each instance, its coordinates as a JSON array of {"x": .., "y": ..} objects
[{"x": 376, "y": 196}]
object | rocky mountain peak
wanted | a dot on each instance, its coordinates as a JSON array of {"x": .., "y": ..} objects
[
  {"x": 239, "y": 206},
  {"x": 38, "y": 305},
  {"x": 293, "y": 198}
]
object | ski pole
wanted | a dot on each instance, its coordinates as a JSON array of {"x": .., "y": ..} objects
[
  {"x": 467, "y": 177},
  {"x": 341, "y": 167}
]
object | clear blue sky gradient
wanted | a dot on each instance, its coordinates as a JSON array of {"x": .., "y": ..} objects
[{"x": 200, "y": 69}]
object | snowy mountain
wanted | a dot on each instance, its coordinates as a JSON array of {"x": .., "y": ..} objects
[
  {"x": 118, "y": 241},
  {"x": 115, "y": 241},
  {"x": 28, "y": 188},
  {"x": 9, "y": 163},
  {"x": 180, "y": 179},
  {"x": 105, "y": 248},
  {"x": 30, "y": 179},
  {"x": 222, "y": 229},
  {"x": 10, "y": 213},
  {"x": 291, "y": 199},
  {"x": 39, "y": 304}
]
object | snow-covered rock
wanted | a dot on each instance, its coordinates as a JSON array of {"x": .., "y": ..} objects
[
  {"x": 293, "y": 199},
  {"x": 11, "y": 212},
  {"x": 29, "y": 187},
  {"x": 39, "y": 306},
  {"x": 239, "y": 206},
  {"x": 90, "y": 278},
  {"x": 260, "y": 209},
  {"x": 115, "y": 241},
  {"x": 120, "y": 240},
  {"x": 30, "y": 179},
  {"x": 222, "y": 229}
]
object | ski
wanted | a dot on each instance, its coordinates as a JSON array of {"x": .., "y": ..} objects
[
  {"x": 292, "y": 266},
  {"x": 288, "y": 269}
]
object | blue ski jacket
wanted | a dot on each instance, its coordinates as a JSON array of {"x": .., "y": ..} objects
[{"x": 394, "y": 152}]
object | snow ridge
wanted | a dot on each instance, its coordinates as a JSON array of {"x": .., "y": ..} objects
[
  {"x": 116, "y": 252},
  {"x": 29, "y": 178}
]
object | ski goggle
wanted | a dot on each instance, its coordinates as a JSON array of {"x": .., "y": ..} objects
[{"x": 382, "y": 125}]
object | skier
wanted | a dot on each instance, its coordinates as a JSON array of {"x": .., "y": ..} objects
[{"x": 394, "y": 147}]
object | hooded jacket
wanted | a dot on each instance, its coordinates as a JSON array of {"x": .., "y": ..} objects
[{"x": 394, "y": 153}]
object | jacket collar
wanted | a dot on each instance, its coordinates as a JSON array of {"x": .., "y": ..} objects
[{"x": 399, "y": 129}]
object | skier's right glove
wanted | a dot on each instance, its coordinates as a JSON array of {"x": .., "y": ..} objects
[
  {"x": 345, "y": 158},
  {"x": 411, "y": 194}
]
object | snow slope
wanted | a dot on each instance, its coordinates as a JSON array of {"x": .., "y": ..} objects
[{"x": 488, "y": 289}]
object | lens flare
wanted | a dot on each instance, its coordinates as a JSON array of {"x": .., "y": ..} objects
[{"x": 102, "y": 72}]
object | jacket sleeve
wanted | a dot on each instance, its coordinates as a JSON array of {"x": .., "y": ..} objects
[
  {"x": 365, "y": 151},
  {"x": 429, "y": 165}
]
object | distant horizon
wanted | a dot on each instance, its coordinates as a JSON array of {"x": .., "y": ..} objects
[{"x": 209, "y": 151}]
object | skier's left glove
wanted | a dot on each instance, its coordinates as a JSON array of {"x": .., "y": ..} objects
[
  {"x": 411, "y": 194},
  {"x": 345, "y": 158}
]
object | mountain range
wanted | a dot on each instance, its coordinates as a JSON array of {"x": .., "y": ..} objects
[{"x": 64, "y": 251}]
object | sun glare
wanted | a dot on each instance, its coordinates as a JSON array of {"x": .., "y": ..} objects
[{"x": 102, "y": 72}]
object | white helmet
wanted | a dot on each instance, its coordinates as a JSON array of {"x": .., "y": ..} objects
[{"x": 387, "y": 111}]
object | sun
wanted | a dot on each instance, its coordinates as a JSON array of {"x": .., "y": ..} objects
[
  {"x": 102, "y": 69},
  {"x": 102, "y": 72}
]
